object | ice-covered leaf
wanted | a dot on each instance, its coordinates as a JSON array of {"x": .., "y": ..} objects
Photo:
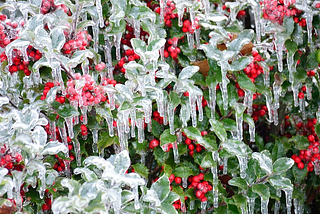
[
  {"x": 235, "y": 147},
  {"x": 280, "y": 182},
  {"x": 58, "y": 39},
  {"x": 161, "y": 187},
  {"x": 238, "y": 182},
  {"x": 79, "y": 57},
  {"x": 243, "y": 38},
  {"x": 86, "y": 174},
  {"x": 156, "y": 44},
  {"x": 245, "y": 82},
  {"x": 152, "y": 197},
  {"x": 218, "y": 129},
  {"x": 264, "y": 161},
  {"x": 121, "y": 162},
  {"x": 72, "y": 185},
  {"x": 66, "y": 110},
  {"x": 141, "y": 169},
  {"x": 139, "y": 46},
  {"x": 3, "y": 101},
  {"x": 54, "y": 147},
  {"x": 188, "y": 72},
  {"x": 282, "y": 165},
  {"x": 241, "y": 63},
  {"x": 262, "y": 190},
  {"x": 166, "y": 138}
]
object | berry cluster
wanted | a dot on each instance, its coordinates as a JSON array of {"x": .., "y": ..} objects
[
  {"x": 8, "y": 158},
  {"x": 253, "y": 70},
  {"x": 258, "y": 111},
  {"x": 59, "y": 98},
  {"x": 8, "y": 30},
  {"x": 171, "y": 48},
  {"x": 200, "y": 186},
  {"x": 168, "y": 11},
  {"x": 187, "y": 26},
  {"x": 193, "y": 146},
  {"x": 80, "y": 42},
  {"x": 310, "y": 156},
  {"x": 48, "y": 6},
  {"x": 276, "y": 10},
  {"x": 157, "y": 117},
  {"x": 90, "y": 94}
]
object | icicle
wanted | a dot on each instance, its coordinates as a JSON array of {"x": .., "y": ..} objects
[
  {"x": 215, "y": 197},
  {"x": 276, "y": 94},
  {"x": 109, "y": 121},
  {"x": 243, "y": 210},
  {"x": 302, "y": 107},
  {"x": 224, "y": 86},
  {"x": 149, "y": 127},
  {"x": 190, "y": 38},
  {"x": 243, "y": 165},
  {"x": 69, "y": 122},
  {"x": 251, "y": 203},
  {"x": 291, "y": 66},
  {"x": 206, "y": 6},
  {"x": 64, "y": 136},
  {"x": 143, "y": 158},
  {"x": 95, "y": 140},
  {"x": 225, "y": 166},
  {"x": 277, "y": 207},
  {"x": 183, "y": 207},
  {"x": 316, "y": 167},
  {"x": 252, "y": 133},
  {"x": 117, "y": 43},
  {"x": 95, "y": 31},
  {"x": 180, "y": 8},
  {"x": 162, "y": 53},
  {"x": 17, "y": 182},
  {"x": 171, "y": 119},
  {"x": 165, "y": 109},
  {"x": 200, "y": 110},
  {"x": 9, "y": 56},
  {"x": 257, "y": 20},
  {"x": 239, "y": 121},
  {"x": 184, "y": 182},
  {"x": 108, "y": 57},
  {"x": 140, "y": 126},
  {"x": 288, "y": 193},
  {"x": 192, "y": 103},
  {"x": 111, "y": 97},
  {"x": 191, "y": 205},
  {"x": 212, "y": 101},
  {"x": 176, "y": 153},
  {"x": 162, "y": 4},
  {"x": 318, "y": 115},
  {"x": 135, "y": 192},
  {"x": 264, "y": 206},
  {"x": 279, "y": 45},
  {"x": 269, "y": 106},
  {"x": 84, "y": 110},
  {"x": 203, "y": 207},
  {"x": 197, "y": 34},
  {"x": 133, "y": 122},
  {"x": 248, "y": 100},
  {"x": 298, "y": 208},
  {"x": 309, "y": 92},
  {"x": 295, "y": 90},
  {"x": 99, "y": 10},
  {"x": 136, "y": 27},
  {"x": 309, "y": 17},
  {"x": 76, "y": 146}
]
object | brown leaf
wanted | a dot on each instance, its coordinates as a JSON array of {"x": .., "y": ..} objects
[{"x": 8, "y": 210}]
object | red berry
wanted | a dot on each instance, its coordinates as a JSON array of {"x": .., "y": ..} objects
[{"x": 177, "y": 180}]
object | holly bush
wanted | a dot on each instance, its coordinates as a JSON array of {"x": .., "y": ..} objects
[{"x": 176, "y": 106}]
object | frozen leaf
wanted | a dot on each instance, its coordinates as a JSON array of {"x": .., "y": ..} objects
[
  {"x": 240, "y": 64},
  {"x": 188, "y": 72},
  {"x": 72, "y": 185},
  {"x": 121, "y": 162},
  {"x": 262, "y": 190},
  {"x": 219, "y": 130},
  {"x": 280, "y": 182},
  {"x": 282, "y": 165},
  {"x": 67, "y": 110},
  {"x": 166, "y": 138},
  {"x": 156, "y": 44},
  {"x": 86, "y": 174},
  {"x": 264, "y": 161},
  {"x": 58, "y": 39},
  {"x": 3, "y": 101},
  {"x": 238, "y": 182},
  {"x": 161, "y": 187},
  {"x": 245, "y": 82},
  {"x": 141, "y": 169},
  {"x": 54, "y": 147},
  {"x": 235, "y": 147}
]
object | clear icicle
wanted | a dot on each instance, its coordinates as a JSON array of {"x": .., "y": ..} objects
[
  {"x": 95, "y": 32},
  {"x": 264, "y": 206},
  {"x": 248, "y": 100},
  {"x": 275, "y": 115},
  {"x": 180, "y": 9},
  {"x": 269, "y": 106},
  {"x": 53, "y": 130},
  {"x": 257, "y": 20},
  {"x": 277, "y": 207},
  {"x": 197, "y": 34},
  {"x": 76, "y": 146},
  {"x": 95, "y": 133},
  {"x": 309, "y": 17},
  {"x": 183, "y": 207},
  {"x": 200, "y": 109},
  {"x": 84, "y": 110},
  {"x": 225, "y": 166},
  {"x": 243, "y": 165},
  {"x": 133, "y": 122},
  {"x": 252, "y": 133},
  {"x": 239, "y": 121},
  {"x": 224, "y": 89},
  {"x": 184, "y": 182},
  {"x": 212, "y": 101},
  {"x": 243, "y": 210},
  {"x": 111, "y": 97},
  {"x": 318, "y": 115},
  {"x": 136, "y": 27},
  {"x": 206, "y": 6},
  {"x": 69, "y": 122},
  {"x": 191, "y": 205},
  {"x": 108, "y": 56},
  {"x": 203, "y": 207},
  {"x": 276, "y": 94},
  {"x": 140, "y": 126},
  {"x": 17, "y": 182},
  {"x": 251, "y": 203},
  {"x": 309, "y": 92},
  {"x": 143, "y": 158},
  {"x": 99, "y": 10},
  {"x": 110, "y": 126},
  {"x": 288, "y": 193},
  {"x": 190, "y": 38},
  {"x": 215, "y": 197},
  {"x": 302, "y": 107},
  {"x": 117, "y": 43},
  {"x": 192, "y": 103},
  {"x": 297, "y": 206},
  {"x": 135, "y": 192},
  {"x": 295, "y": 90},
  {"x": 176, "y": 153},
  {"x": 171, "y": 119},
  {"x": 291, "y": 66},
  {"x": 162, "y": 4},
  {"x": 279, "y": 45}
]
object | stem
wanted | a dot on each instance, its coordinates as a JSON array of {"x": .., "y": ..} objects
[{"x": 75, "y": 20}]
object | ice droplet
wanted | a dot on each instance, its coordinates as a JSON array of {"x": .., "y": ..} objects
[
  {"x": 302, "y": 106},
  {"x": 225, "y": 166},
  {"x": 117, "y": 42},
  {"x": 76, "y": 147},
  {"x": 185, "y": 183},
  {"x": 288, "y": 193},
  {"x": 243, "y": 165},
  {"x": 251, "y": 203},
  {"x": 203, "y": 207},
  {"x": 95, "y": 140},
  {"x": 176, "y": 153},
  {"x": 264, "y": 206}
]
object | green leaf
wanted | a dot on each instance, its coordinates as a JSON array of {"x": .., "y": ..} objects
[
  {"x": 156, "y": 129},
  {"x": 278, "y": 150},
  {"x": 182, "y": 171},
  {"x": 238, "y": 182},
  {"x": 317, "y": 129},
  {"x": 299, "y": 174},
  {"x": 160, "y": 155},
  {"x": 207, "y": 161},
  {"x": 229, "y": 124},
  {"x": 58, "y": 39},
  {"x": 240, "y": 200},
  {"x": 141, "y": 169},
  {"x": 156, "y": 44},
  {"x": 105, "y": 140},
  {"x": 245, "y": 82},
  {"x": 240, "y": 64},
  {"x": 248, "y": 119},
  {"x": 262, "y": 190},
  {"x": 291, "y": 46},
  {"x": 243, "y": 38},
  {"x": 282, "y": 165},
  {"x": 264, "y": 161},
  {"x": 194, "y": 134},
  {"x": 312, "y": 60},
  {"x": 174, "y": 99},
  {"x": 280, "y": 182},
  {"x": 161, "y": 187},
  {"x": 166, "y": 138},
  {"x": 218, "y": 129},
  {"x": 301, "y": 142},
  {"x": 66, "y": 110}
]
